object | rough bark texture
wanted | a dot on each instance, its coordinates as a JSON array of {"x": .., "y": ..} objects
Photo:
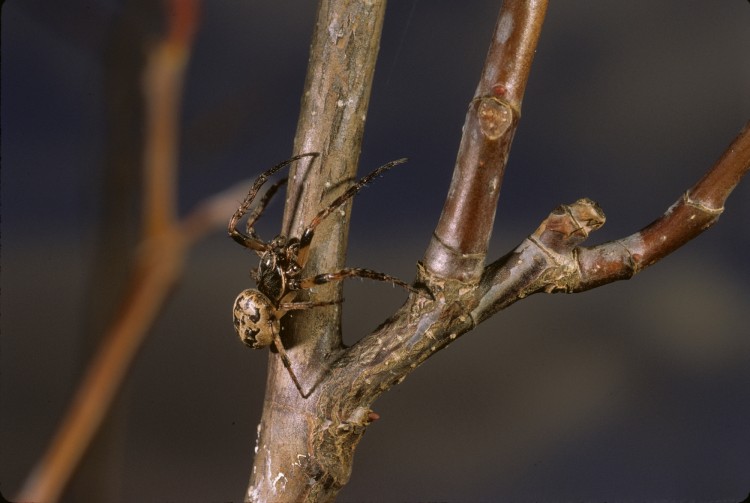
[
  {"x": 334, "y": 106},
  {"x": 305, "y": 447}
]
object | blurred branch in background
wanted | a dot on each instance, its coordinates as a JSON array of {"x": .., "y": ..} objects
[
  {"x": 159, "y": 258},
  {"x": 127, "y": 45}
]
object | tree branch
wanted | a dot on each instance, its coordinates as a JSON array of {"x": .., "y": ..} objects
[
  {"x": 459, "y": 245},
  {"x": 551, "y": 260},
  {"x": 158, "y": 264},
  {"x": 698, "y": 209},
  {"x": 305, "y": 447},
  {"x": 547, "y": 261},
  {"x": 308, "y": 455},
  {"x": 343, "y": 52}
]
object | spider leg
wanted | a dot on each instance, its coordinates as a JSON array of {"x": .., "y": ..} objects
[
  {"x": 251, "y": 241},
  {"x": 290, "y": 306},
  {"x": 260, "y": 208},
  {"x": 287, "y": 363},
  {"x": 355, "y": 273},
  {"x": 307, "y": 234}
]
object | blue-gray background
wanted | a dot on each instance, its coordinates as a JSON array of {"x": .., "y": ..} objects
[{"x": 636, "y": 391}]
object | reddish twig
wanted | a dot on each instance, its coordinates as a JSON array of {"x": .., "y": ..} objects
[
  {"x": 551, "y": 261},
  {"x": 697, "y": 210},
  {"x": 459, "y": 245}
]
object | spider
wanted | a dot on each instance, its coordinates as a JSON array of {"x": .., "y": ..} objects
[{"x": 278, "y": 277}]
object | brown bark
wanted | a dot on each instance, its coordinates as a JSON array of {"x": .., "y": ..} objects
[
  {"x": 305, "y": 446},
  {"x": 458, "y": 250},
  {"x": 343, "y": 51}
]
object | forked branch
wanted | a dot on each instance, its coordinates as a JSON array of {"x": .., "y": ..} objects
[
  {"x": 309, "y": 443},
  {"x": 157, "y": 267},
  {"x": 550, "y": 260}
]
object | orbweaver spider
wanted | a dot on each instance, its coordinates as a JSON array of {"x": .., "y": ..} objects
[{"x": 278, "y": 277}]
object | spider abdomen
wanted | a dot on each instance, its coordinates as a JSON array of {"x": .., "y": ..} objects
[{"x": 254, "y": 319}]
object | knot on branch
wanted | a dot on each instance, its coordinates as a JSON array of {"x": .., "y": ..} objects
[
  {"x": 332, "y": 447},
  {"x": 442, "y": 290},
  {"x": 558, "y": 236},
  {"x": 569, "y": 225},
  {"x": 699, "y": 204},
  {"x": 360, "y": 418},
  {"x": 546, "y": 261},
  {"x": 495, "y": 116}
]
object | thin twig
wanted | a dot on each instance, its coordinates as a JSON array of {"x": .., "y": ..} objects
[
  {"x": 698, "y": 209},
  {"x": 459, "y": 245},
  {"x": 551, "y": 261}
]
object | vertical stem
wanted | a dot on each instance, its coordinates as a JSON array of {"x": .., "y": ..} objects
[
  {"x": 459, "y": 244},
  {"x": 334, "y": 106}
]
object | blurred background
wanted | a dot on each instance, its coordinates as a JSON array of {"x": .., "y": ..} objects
[{"x": 639, "y": 390}]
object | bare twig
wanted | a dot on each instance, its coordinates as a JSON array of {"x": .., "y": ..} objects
[
  {"x": 698, "y": 209},
  {"x": 550, "y": 260},
  {"x": 459, "y": 245},
  {"x": 163, "y": 82}
]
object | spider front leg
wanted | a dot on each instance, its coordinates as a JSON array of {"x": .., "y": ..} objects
[
  {"x": 309, "y": 231},
  {"x": 258, "y": 211},
  {"x": 249, "y": 240}
]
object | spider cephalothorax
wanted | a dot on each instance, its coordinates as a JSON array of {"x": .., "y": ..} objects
[
  {"x": 279, "y": 271},
  {"x": 279, "y": 275}
]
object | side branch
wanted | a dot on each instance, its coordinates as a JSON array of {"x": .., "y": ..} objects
[
  {"x": 459, "y": 244},
  {"x": 551, "y": 261},
  {"x": 697, "y": 210}
]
